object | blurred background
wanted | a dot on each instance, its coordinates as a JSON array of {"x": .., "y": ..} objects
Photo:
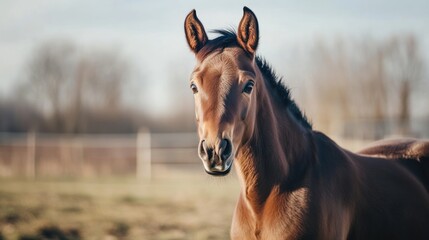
[{"x": 97, "y": 129}]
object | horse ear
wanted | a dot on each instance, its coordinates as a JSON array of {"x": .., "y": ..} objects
[
  {"x": 195, "y": 33},
  {"x": 248, "y": 31}
]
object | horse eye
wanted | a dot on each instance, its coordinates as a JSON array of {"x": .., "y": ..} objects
[
  {"x": 249, "y": 87},
  {"x": 194, "y": 88}
]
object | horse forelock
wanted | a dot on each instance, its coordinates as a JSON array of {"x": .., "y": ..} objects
[{"x": 226, "y": 38}]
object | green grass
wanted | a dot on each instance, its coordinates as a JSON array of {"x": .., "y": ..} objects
[{"x": 174, "y": 205}]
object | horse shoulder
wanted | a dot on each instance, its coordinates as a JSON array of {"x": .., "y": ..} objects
[{"x": 336, "y": 188}]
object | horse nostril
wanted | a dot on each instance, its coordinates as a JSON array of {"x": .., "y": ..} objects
[
  {"x": 225, "y": 149},
  {"x": 206, "y": 153}
]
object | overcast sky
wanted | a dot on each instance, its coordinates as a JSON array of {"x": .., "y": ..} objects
[{"x": 150, "y": 33}]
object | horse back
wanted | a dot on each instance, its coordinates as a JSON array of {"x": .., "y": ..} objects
[
  {"x": 413, "y": 154},
  {"x": 399, "y": 148}
]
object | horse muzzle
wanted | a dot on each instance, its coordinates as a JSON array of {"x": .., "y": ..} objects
[{"x": 217, "y": 160}]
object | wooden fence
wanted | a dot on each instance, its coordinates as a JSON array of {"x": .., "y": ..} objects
[{"x": 35, "y": 155}]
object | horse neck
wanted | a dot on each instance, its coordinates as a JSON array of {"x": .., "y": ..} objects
[{"x": 276, "y": 152}]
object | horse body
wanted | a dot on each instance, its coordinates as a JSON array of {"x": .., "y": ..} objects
[
  {"x": 342, "y": 196},
  {"x": 296, "y": 182}
]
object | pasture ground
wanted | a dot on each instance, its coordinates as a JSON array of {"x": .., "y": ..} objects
[
  {"x": 180, "y": 202},
  {"x": 177, "y": 204}
]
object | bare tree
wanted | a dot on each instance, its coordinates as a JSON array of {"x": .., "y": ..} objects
[
  {"x": 50, "y": 74},
  {"x": 362, "y": 80},
  {"x": 67, "y": 83},
  {"x": 405, "y": 68},
  {"x": 330, "y": 76}
]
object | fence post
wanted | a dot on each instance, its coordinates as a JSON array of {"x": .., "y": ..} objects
[
  {"x": 31, "y": 154},
  {"x": 144, "y": 168},
  {"x": 78, "y": 147}
]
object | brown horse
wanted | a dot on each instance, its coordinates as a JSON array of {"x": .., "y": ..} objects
[{"x": 296, "y": 182}]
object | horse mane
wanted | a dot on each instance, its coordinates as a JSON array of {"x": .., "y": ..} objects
[{"x": 228, "y": 38}]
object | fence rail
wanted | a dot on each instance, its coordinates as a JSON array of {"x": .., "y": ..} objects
[{"x": 43, "y": 155}]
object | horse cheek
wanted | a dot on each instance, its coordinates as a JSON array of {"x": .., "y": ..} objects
[{"x": 243, "y": 113}]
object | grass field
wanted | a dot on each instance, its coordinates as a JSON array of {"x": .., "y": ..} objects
[
  {"x": 180, "y": 202},
  {"x": 176, "y": 204}
]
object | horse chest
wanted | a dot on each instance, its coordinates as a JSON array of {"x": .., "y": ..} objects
[
  {"x": 274, "y": 228},
  {"x": 280, "y": 218}
]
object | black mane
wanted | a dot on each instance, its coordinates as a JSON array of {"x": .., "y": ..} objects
[
  {"x": 228, "y": 38},
  {"x": 282, "y": 91}
]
